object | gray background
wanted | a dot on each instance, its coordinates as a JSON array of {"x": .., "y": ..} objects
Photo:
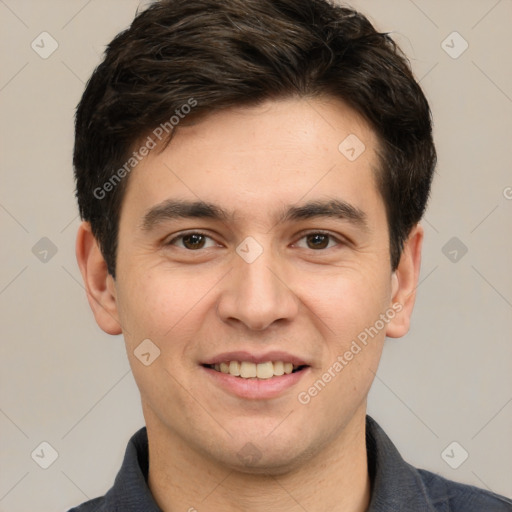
[{"x": 65, "y": 382}]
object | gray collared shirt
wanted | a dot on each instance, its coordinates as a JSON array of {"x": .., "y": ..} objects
[{"x": 395, "y": 485}]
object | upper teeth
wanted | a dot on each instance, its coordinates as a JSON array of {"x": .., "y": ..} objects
[{"x": 246, "y": 369}]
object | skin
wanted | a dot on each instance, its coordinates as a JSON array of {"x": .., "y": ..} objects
[{"x": 308, "y": 301}]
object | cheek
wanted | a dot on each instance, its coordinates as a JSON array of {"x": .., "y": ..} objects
[
  {"x": 163, "y": 305},
  {"x": 353, "y": 332},
  {"x": 347, "y": 310},
  {"x": 158, "y": 306},
  {"x": 346, "y": 301}
]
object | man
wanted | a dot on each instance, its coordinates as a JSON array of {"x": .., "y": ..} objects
[{"x": 251, "y": 175}]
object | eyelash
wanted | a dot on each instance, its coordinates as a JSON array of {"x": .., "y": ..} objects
[{"x": 304, "y": 235}]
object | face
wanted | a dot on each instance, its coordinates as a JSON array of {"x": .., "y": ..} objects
[{"x": 253, "y": 245}]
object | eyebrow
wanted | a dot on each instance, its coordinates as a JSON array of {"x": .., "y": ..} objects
[{"x": 181, "y": 209}]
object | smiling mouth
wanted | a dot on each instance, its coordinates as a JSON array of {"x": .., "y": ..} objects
[{"x": 249, "y": 370}]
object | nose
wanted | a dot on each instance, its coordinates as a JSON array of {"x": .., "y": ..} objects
[{"x": 257, "y": 294}]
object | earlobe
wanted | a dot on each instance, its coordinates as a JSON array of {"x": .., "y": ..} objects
[
  {"x": 99, "y": 284},
  {"x": 404, "y": 282}
]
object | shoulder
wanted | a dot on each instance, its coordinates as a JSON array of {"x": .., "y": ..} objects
[
  {"x": 130, "y": 492},
  {"x": 399, "y": 486},
  {"x": 449, "y": 496}
]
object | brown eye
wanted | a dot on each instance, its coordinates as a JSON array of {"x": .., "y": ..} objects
[
  {"x": 192, "y": 241},
  {"x": 317, "y": 241}
]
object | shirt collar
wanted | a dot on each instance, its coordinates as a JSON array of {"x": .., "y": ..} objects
[
  {"x": 393, "y": 481},
  {"x": 130, "y": 492}
]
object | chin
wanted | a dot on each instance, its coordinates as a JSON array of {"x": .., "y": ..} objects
[
  {"x": 266, "y": 465},
  {"x": 265, "y": 457}
]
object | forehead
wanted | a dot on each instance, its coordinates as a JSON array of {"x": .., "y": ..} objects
[{"x": 280, "y": 151}]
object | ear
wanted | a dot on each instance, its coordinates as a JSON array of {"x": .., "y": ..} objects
[
  {"x": 404, "y": 284},
  {"x": 99, "y": 284}
]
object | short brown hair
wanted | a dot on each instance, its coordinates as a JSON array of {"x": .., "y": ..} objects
[{"x": 234, "y": 53}]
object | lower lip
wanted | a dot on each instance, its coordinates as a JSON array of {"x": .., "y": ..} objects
[{"x": 255, "y": 389}]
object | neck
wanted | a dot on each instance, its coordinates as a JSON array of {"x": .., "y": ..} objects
[{"x": 336, "y": 478}]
